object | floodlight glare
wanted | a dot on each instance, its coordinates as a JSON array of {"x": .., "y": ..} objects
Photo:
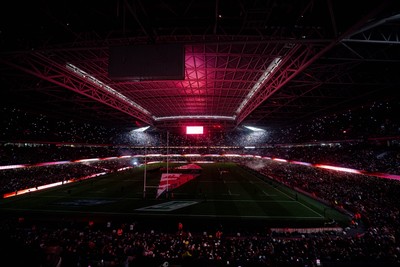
[
  {"x": 141, "y": 129},
  {"x": 102, "y": 86},
  {"x": 254, "y": 129},
  {"x": 264, "y": 77}
]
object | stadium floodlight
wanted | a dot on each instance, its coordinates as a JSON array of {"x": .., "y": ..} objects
[
  {"x": 141, "y": 129},
  {"x": 254, "y": 129},
  {"x": 99, "y": 84},
  {"x": 267, "y": 73}
]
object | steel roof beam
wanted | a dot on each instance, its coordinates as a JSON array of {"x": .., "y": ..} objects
[{"x": 44, "y": 68}]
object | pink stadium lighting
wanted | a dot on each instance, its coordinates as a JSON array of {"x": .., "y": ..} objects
[
  {"x": 231, "y": 155},
  {"x": 301, "y": 163},
  {"x": 153, "y": 162},
  {"x": 337, "y": 168},
  {"x": 86, "y": 160},
  {"x": 383, "y": 175},
  {"x": 51, "y": 163},
  {"x": 173, "y": 155},
  {"x": 7, "y": 167},
  {"x": 108, "y": 158},
  {"x": 281, "y": 160}
]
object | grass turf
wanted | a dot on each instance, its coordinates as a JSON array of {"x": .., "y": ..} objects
[{"x": 237, "y": 199}]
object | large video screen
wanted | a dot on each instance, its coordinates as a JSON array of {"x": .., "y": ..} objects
[{"x": 194, "y": 130}]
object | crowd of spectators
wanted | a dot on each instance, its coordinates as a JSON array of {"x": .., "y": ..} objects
[
  {"x": 124, "y": 245},
  {"x": 32, "y": 139},
  {"x": 368, "y": 156},
  {"x": 16, "y": 179},
  {"x": 26, "y": 126},
  {"x": 371, "y": 121},
  {"x": 375, "y": 243},
  {"x": 364, "y": 139},
  {"x": 378, "y": 120},
  {"x": 375, "y": 198}
]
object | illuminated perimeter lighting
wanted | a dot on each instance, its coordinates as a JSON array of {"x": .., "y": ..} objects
[
  {"x": 105, "y": 87},
  {"x": 267, "y": 73}
]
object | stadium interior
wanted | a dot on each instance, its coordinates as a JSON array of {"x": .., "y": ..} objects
[{"x": 200, "y": 133}]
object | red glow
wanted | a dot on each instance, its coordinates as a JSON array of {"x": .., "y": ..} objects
[
  {"x": 281, "y": 160},
  {"x": 194, "y": 129},
  {"x": 336, "y": 168},
  {"x": 6, "y": 167}
]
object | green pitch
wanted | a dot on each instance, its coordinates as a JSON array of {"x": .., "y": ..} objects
[{"x": 235, "y": 197}]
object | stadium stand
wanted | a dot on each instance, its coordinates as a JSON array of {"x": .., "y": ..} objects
[{"x": 298, "y": 164}]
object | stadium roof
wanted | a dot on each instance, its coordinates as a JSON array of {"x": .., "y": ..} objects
[{"x": 261, "y": 63}]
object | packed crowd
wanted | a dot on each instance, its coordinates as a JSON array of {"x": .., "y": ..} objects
[
  {"x": 375, "y": 243},
  {"x": 127, "y": 244},
  {"x": 369, "y": 156},
  {"x": 124, "y": 245},
  {"x": 378, "y": 120},
  {"x": 375, "y": 198},
  {"x": 14, "y": 180},
  {"x": 364, "y": 139}
]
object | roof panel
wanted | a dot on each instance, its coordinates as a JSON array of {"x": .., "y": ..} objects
[{"x": 332, "y": 58}]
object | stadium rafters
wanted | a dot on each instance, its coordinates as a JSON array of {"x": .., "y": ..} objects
[{"x": 331, "y": 58}]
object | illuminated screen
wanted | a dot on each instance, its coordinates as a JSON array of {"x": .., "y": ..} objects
[{"x": 194, "y": 129}]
